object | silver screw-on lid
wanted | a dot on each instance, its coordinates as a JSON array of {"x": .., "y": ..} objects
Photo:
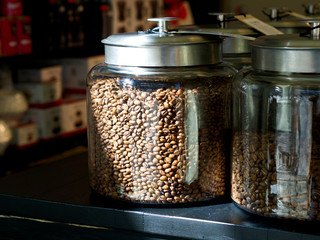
[
  {"x": 287, "y": 26},
  {"x": 226, "y": 24},
  {"x": 231, "y": 45},
  {"x": 311, "y": 9},
  {"x": 288, "y": 52},
  {"x": 161, "y": 47},
  {"x": 275, "y": 14}
]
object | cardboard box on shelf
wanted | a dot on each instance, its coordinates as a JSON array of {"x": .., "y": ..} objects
[
  {"x": 48, "y": 119},
  {"x": 121, "y": 16},
  {"x": 39, "y": 93},
  {"x": 74, "y": 115},
  {"x": 11, "y": 7},
  {"x": 24, "y": 40},
  {"x": 8, "y": 37},
  {"x": 42, "y": 84},
  {"x": 138, "y": 15},
  {"x": 155, "y": 8},
  {"x": 75, "y": 71},
  {"x": 40, "y": 74},
  {"x": 141, "y": 10},
  {"x": 121, "y": 27},
  {"x": 25, "y": 135}
]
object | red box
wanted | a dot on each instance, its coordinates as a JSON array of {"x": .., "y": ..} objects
[
  {"x": 23, "y": 32},
  {"x": 8, "y": 36},
  {"x": 11, "y": 7}
]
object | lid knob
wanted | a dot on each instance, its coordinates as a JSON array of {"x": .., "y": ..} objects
[
  {"x": 275, "y": 14},
  {"x": 222, "y": 18},
  {"x": 311, "y": 9},
  {"x": 315, "y": 29},
  {"x": 163, "y": 26}
]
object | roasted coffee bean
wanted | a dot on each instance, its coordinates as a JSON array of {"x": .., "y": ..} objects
[
  {"x": 141, "y": 148},
  {"x": 268, "y": 180}
]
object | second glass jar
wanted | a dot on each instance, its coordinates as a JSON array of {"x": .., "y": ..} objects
[{"x": 275, "y": 154}]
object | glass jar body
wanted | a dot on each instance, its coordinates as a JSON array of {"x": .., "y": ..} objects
[
  {"x": 276, "y": 144},
  {"x": 159, "y": 135}
]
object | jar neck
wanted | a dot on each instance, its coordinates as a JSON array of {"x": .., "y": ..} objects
[
  {"x": 286, "y": 60},
  {"x": 165, "y": 56},
  {"x": 286, "y": 74},
  {"x": 186, "y": 71}
]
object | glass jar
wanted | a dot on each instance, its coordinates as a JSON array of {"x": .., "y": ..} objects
[
  {"x": 276, "y": 123},
  {"x": 159, "y": 118}
]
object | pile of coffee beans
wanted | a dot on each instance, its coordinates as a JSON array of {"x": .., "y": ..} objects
[
  {"x": 274, "y": 176},
  {"x": 142, "y": 148}
]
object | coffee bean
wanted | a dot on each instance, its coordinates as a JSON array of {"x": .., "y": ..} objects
[
  {"x": 138, "y": 141},
  {"x": 264, "y": 180}
]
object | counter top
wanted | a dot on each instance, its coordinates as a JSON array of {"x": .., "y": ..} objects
[{"x": 54, "y": 201}]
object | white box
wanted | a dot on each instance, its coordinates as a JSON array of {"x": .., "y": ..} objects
[
  {"x": 75, "y": 70},
  {"x": 41, "y": 74},
  {"x": 120, "y": 16},
  {"x": 121, "y": 28},
  {"x": 41, "y": 92},
  {"x": 138, "y": 15},
  {"x": 48, "y": 121},
  {"x": 132, "y": 15},
  {"x": 148, "y": 9},
  {"x": 154, "y": 8},
  {"x": 74, "y": 115},
  {"x": 25, "y": 135}
]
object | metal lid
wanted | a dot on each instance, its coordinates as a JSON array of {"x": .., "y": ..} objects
[
  {"x": 229, "y": 22},
  {"x": 275, "y": 14},
  {"x": 226, "y": 24},
  {"x": 231, "y": 45},
  {"x": 288, "y": 52},
  {"x": 213, "y": 28},
  {"x": 311, "y": 9},
  {"x": 288, "y": 26},
  {"x": 162, "y": 47}
]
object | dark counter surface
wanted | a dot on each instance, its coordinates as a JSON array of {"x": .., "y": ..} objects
[{"x": 54, "y": 201}]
